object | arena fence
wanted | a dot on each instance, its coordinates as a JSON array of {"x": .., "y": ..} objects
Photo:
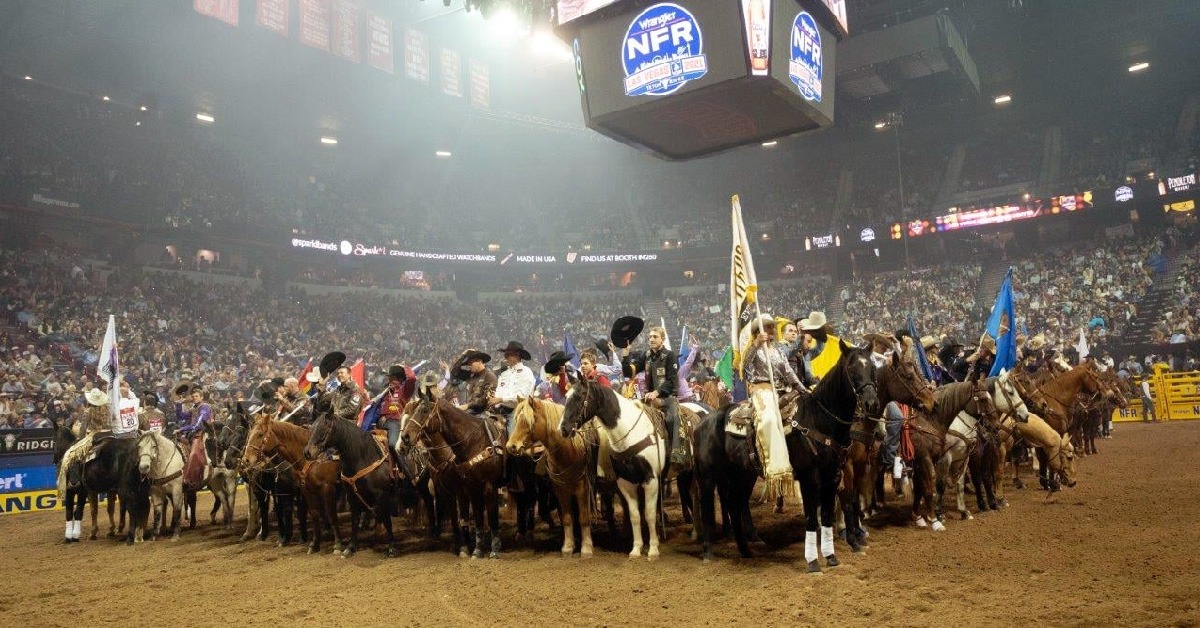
[{"x": 1176, "y": 397}]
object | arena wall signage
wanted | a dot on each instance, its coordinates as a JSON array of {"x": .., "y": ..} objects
[
  {"x": 1175, "y": 185},
  {"x": 1123, "y": 194},
  {"x": 30, "y": 501},
  {"x": 805, "y": 67},
  {"x": 346, "y": 248},
  {"x": 825, "y": 241},
  {"x": 982, "y": 217},
  {"x": 662, "y": 51},
  {"x": 26, "y": 443},
  {"x": 51, "y": 199},
  {"x": 21, "y": 479},
  {"x": 867, "y": 234}
]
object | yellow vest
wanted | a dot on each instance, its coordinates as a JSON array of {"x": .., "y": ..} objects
[{"x": 830, "y": 354}]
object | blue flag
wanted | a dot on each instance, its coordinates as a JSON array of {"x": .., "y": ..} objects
[
  {"x": 570, "y": 350},
  {"x": 1001, "y": 325},
  {"x": 922, "y": 360},
  {"x": 684, "y": 349},
  {"x": 371, "y": 416}
]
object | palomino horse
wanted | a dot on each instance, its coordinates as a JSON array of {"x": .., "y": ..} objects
[
  {"x": 160, "y": 461},
  {"x": 566, "y": 464},
  {"x": 961, "y": 404},
  {"x": 366, "y": 470},
  {"x": 1054, "y": 399},
  {"x": 466, "y": 458},
  {"x": 317, "y": 479},
  {"x": 638, "y": 453},
  {"x": 897, "y": 380},
  {"x": 1060, "y": 453}
]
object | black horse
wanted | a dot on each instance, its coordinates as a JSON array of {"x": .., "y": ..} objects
[
  {"x": 366, "y": 471},
  {"x": 273, "y": 482},
  {"x": 816, "y": 446}
]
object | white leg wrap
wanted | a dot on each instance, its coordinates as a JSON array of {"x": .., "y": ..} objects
[
  {"x": 70, "y": 527},
  {"x": 810, "y": 546},
  {"x": 78, "y": 529},
  {"x": 826, "y": 541}
]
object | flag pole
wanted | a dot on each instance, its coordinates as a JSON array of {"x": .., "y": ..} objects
[{"x": 741, "y": 226}]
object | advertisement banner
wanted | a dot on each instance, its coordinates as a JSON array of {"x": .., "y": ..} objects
[
  {"x": 21, "y": 479},
  {"x": 24, "y": 443},
  {"x": 379, "y": 53},
  {"x": 756, "y": 15},
  {"x": 416, "y": 55},
  {"x": 30, "y": 501},
  {"x": 451, "y": 73},
  {"x": 345, "y": 30},
  {"x": 273, "y": 16},
  {"x": 663, "y": 49},
  {"x": 347, "y": 248},
  {"x": 52, "y": 199},
  {"x": 572, "y": 9},
  {"x": 1175, "y": 185},
  {"x": 481, "y": 89},
  {"x": 314, "y": 24},
  {"x": 806, "y": 68},
  {"x": 224, "y": 10}
]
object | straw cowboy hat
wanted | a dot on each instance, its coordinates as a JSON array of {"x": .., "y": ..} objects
[
  {"x": 987, "y": 345},
  {"x": 870, "y": 339},
  {"x": 96, "y": 397},
  {"x": 815, "y": 321},
  {"x": 928, "y": 342},
  {"x": 1037, "y": 342},
  {"x": 765, "y": 321}
]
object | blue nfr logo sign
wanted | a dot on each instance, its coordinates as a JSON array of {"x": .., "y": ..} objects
[
  {"x": 663, "y": 50},
  {"x": 806, "y": 66}
]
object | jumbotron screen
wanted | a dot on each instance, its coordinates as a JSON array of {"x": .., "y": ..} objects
[{"x": 569, "y": 10}]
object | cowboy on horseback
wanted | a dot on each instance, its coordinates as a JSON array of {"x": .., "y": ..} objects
[
  {"x": 515, "y": 381},
  {"x": 402, "y": 383},
  {"x": 480, "y": 380},
  {"x": 151, "y": 419},
  {"x": 661, "y": 367},
  {"x": 193, "y": 418}
]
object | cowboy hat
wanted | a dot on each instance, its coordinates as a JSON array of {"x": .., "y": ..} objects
[
  {"x": 517, "y": 348},
  {"x": 602, "y": 347},
  {"x": 873, "y": 337},
  {"x": 987, "y": 345},
  {"x": 928, "y": 342},
  {"x": 397, "y": 371},
  {"x": 184, "y": 388},
  {"x": 557, "y": 360},
  {"x": 266, "y": 390},
  {"x": 331, "y": 362},
  {"x": 1037, "y": 342},
  {"x": 625, "y": 330},
  {"x": 313, "y": 376},
  {"x": 815, "y": 321},
  {"x": 764, "y": 321},
  {"x": 96, "y": 397}
]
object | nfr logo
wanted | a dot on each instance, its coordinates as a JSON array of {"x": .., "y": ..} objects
[
  {"x": 806, "y": 66},
  {"x": 663, "y": 50}
]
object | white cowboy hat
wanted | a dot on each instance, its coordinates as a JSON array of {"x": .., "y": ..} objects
[
  {"x": 766, "y": 321},
  {"x": 987, "y": 345},
  {"x": 815, "y": 320},
  {"x": 96, "y": 397},
  {"x": 314, "y": 375}
]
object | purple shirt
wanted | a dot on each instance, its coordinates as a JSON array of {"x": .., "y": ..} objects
[{"x": 193, "y": 420}]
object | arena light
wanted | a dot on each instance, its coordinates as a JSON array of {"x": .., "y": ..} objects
[
  {"x": 142, "y": 108},
  {"x": 1003, "y": 99},
  {"x": 770, "y": 144},
  {"x": 879, "y": 126},
  {"x": 328, "y": 141},
  {"x": 1139, "y": 66},
  {"x": 205, "y": 117},
  {"x": 105, "y": 98},
  {"x": 444, "y": 154},
  {"x": 28, "y": 78}
]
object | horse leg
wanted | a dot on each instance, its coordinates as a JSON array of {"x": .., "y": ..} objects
[
  {"x": 651, "y": 514},
  {"x": 929, "y": 493},
  {"x": 383, "y": 511},
  {"x": 584, "y": 516},
  {"x": 685, "y": 480},
  {"x": 810, "y": 494},
  {"x": 829, "y": 492},
  {"x": 435, "y": 524},
  {"x": 355, "y": 514},
  {"x": 190, "y": 505},
  {"x": 568, "y": 519},
  {"x": 630, "y": 493},
  {"x": 284, "y": 510},
  {"x": 329, "y": 515},
  {"x": 707, "y": 516},
  {"x": 176, "y": 508},
  {"x": 477, "y": 522},
  {"x": 491, "y": 502}
]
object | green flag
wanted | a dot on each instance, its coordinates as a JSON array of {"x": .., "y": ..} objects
[{"x": 725, "y": 368}]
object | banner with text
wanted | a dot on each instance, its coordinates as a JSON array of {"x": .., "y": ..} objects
[
  {"x": 481, "y": 88},
  {"x": 416, "y": 55},
  {"x": 314, "y": 24},
  {"x": 273, "y": 16},
  {"x": 345, "y": 30},
  {"x": 451, "y": 73},
  {"x": 379, "y": 53},
  {"x": 224, "y": 10}
]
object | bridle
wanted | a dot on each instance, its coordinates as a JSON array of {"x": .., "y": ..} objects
[
  {"x": 1008, "y": 391},
  {"x": 906, "y": 381}
]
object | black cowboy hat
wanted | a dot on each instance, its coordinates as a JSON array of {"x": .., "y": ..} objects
[
  {"x": 185, "y": 388},
  {"x": 266, "y": 390},
  {"x": 470, "y": 355},
  {"x": 517, "y": 348},
  {"x": 625, "y": 330},
  {"x": 331, "y": 362},
  {"x": 397, "y": 371},
  {"x": 150, "y": 394},
  {"x": 558, "y": 359},
  {"x": 602, "y": 347}
]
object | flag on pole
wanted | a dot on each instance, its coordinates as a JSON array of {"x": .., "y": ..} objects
[
  {"x": 1082, "y": 346},
  {"x": 570, "y": 349},
  {"x": 922, "y": 359},
  {"x": 684, "y": 349},
  {"x": 666, "y": 339},
  {"x": 1001, "y": 325},
  {"x": 743, "y": 286},
  {"x": 305, "y": 385},
  {"x": 108, "y": 368},
  {"x": 725, "y": 368}
]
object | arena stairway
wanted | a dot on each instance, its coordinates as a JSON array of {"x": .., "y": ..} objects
[
  {"x": 835, "y": 309},
  {"x": 1151, "y": 307},
  {"x": 985, "y": 295}
]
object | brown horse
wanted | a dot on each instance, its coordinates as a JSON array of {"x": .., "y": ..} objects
[
  {"x": 898, "y": 380},
  {"x": 566, "y": 463},
  {"x": 464, "y": 456},
  {"x": 318, "y": 479},
  {"x": 711, "y": 395},
  {"x": 1054, "y": 397}
]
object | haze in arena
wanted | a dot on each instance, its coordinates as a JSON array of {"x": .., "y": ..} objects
[{"x": 599, "y": 312}]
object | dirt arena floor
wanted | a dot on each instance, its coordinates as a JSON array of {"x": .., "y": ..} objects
[{"x": 1122, "y": 548}]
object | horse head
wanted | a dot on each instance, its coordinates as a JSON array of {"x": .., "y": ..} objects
[
  {"x": 1008, "y": 400},
  {"x": 318, "y": 441},
  {"x": 899, "y": 381},
  {"x": 588, "y": 399},
  {"x": 859, "y": 374},
  {"x": 257, "y": 448},
  {"x": 147, "y": 453},
  {"x": 420, "y": 420},
  {"x": 524, "y": 418},
  {"x": 63, "y": 439},
  {"x": 1064, "y": 462}
]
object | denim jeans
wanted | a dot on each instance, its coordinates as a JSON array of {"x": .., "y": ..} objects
[
  {"x": 894, "y": 420},
  {"x": 393, "y": 430}
]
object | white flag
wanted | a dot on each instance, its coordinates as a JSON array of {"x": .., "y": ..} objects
[
  {"x": 666, "y": 339},
  {"x": 109, "y": 367},
  {"x": 1082, "y": 346},
  {"x": 743, "y": 285}
]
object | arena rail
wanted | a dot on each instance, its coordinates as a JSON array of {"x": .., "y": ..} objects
[{"x": 1176, "y": 397}]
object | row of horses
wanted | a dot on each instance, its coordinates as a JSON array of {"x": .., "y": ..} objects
[{"x": 451, "y": 465}]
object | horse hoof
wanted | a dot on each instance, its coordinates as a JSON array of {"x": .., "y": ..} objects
[
  {"x": 859, "y": 550},
  {"x": 652, "y": 555},
  {"x": 585, "y": 554},
  {"x": 464, "y": 554},
  {"x": 391, "y": 552},
  {"x": 814, "y": 567},
  {"x": 966, "y": 516},
  {"x": 938, "y": 526},
  {"x": 707, "y": 558},
  {"x": 637, "y": 553},
  {"x": 832, "y": 560},
  {"x": 494, "y": 555}
]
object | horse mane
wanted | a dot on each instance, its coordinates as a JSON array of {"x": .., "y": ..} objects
[
  {"x": 353, "y": 442},
  {"x": 951, "y": 399}
]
